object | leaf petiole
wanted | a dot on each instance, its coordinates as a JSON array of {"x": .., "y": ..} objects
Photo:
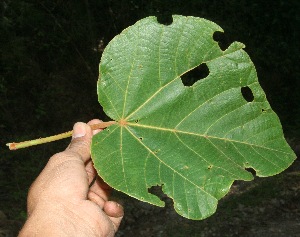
[{"x": 18, "y": 145}]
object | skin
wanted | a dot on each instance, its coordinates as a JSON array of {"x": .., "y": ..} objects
[{"x": 62, "y": 201}]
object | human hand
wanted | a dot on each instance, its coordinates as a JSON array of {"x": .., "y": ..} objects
[{"x": 61, "y": 201}]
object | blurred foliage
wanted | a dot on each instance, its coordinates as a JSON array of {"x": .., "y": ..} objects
[{"x": 50, "y": 52}]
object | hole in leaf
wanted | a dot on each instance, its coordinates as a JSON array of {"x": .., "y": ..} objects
[
  {"x": 165, "y": 18},
  {"x": 209, "y": 167},
  {"x": 137, "y": 120},
  {"x": 196, "y": 74},
  {"x": 221, "y": 39},
  {"x": 263, "y": 110},
  {"x": 251, "y": 170},
  {"x": 247, "y": 94},
  {"x": 141, "y": 138},
  {"x": 157, "y": 191}
]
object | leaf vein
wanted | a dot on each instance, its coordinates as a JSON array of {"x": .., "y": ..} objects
[
  {"x": 165, "y": 164},
  {"x": 200, "y": 135}
]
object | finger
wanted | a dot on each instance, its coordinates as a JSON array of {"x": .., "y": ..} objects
[
  {"x": 114, "y": 211},
  {"x": 95, "y": 121},
  {"x": 81, "y": 141},
  {"x": 96, "y": 199},
  {"x": 97, "y": 184},
  {"x": 91, "y": 172},
  {"x": 101, "y": 189}
]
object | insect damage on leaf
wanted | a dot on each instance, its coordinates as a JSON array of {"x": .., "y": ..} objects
[
  {"x": 193, "y": 137},
  {"x": 194, "y": 75}
]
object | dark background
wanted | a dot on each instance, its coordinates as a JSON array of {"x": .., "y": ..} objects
[{"x": 50, "y": 51}]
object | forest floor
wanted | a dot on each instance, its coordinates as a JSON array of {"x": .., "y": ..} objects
[{"x": 263, "y": 207}]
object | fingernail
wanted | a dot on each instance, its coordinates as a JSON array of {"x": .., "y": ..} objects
[{"x": 79, "y": 130}]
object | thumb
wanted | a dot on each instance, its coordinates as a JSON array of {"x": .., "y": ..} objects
[{"x": 81, "y": 140}]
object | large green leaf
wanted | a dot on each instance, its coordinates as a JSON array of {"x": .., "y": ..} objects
[{"x": 194, "y": 141}]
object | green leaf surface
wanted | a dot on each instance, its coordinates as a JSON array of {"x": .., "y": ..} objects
[{"x": 195, "y": 140}]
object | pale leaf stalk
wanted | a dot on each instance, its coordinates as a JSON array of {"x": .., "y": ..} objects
[{"x": 19, "y": 145}]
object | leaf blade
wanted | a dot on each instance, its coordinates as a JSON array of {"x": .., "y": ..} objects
[{"x": 194, "y": 141}]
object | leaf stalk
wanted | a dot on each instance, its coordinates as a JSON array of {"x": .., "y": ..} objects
[{"x": 19, "y": 145}]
